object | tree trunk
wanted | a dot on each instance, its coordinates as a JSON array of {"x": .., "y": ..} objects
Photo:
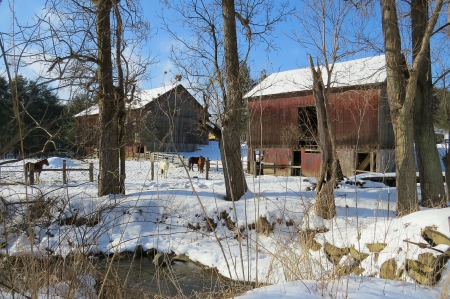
[
  {"x": 108, "y": 178},
  {"x": 230, "y": 147},
  {"x": 431, "y": 182},
  {"x": 325, "y": 205},
  {"x": 401, "y": 90},
  {"x": 401, "y": 111},
  {"x": 120, "y": 96}
]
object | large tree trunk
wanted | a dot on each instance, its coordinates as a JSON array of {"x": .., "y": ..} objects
[
  {"x": 431, "y": 182},
  {"x": 108, "y": 178},
  {"x": 230, "y": 148},
  {"x": 325, "y": 205},
  {"x": 401, "y": 111},
  {"x": 401, "y": 90}
]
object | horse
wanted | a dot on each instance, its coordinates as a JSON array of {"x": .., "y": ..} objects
[
  {"x": 38, "y": 166},
  {"x": 192, "y": 161},
  {"x": 164, "y": 166},
  {"x": 201, "y": 163}
]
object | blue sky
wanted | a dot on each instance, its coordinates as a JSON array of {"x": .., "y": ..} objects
[{"x": 289, "y": 54}]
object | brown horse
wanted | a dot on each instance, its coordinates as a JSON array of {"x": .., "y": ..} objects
[
  {"x": 201, "y": 163},
  {"x": 37, "y": 168},
  {"x": 192, "y": 161}
]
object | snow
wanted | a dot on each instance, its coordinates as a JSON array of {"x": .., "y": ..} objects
[
  {"x": 349, "y": 73},
  {"x": 141, "y": 99},
  {"x": 160, "y": 214}
]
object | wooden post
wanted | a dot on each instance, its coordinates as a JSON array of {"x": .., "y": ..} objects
[
  {"x": 217, "y": 164},
  {"x": 64, "y": 172},
  {"x": 91, "y": 172},
  {"x": 207, "y": 168},
  {"x": 31, "y": 174},
  {"x": 152, "y": 166},
  {"x": 254, "y": 169}
]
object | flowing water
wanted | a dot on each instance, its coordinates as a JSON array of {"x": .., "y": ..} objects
[{"x": 180, "y": 278}]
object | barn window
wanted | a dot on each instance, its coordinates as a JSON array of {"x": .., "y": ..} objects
[{"x": 307, "y": 125}]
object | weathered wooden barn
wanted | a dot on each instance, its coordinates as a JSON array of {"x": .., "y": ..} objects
[
  {"x": 162, "y": 119},
  {"x": 283, "y": 120}
]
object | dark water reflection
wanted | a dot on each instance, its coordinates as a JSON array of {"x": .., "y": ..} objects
[{"x": 182, "y": 279}]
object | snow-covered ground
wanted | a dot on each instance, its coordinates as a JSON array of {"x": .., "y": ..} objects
[{"x": 168, "y": 215}]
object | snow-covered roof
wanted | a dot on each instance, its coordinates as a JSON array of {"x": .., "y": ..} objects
[
  {"x": 349, "y": 73},
  {"x": 141, "y": 99}
]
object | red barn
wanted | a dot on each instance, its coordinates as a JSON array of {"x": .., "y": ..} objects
[{"x": 283, "y": 120}]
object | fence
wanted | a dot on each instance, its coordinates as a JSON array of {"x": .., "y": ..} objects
[{"x": 29, "y": 177}]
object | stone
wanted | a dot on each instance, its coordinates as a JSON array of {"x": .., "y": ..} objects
[
  {"x": 162, "y": 259},
  {"x": 428, "y": 259},
  {"x": 263, "y": 226},
  {"x": 388, "y": 269},
  {"x": 416, "y": 265},
  {"x": 434, "y": 237},
  {"x": 334, "y": 254},
  {"x": 360, "y": 256},
  {"x": 376, "y": 247}
]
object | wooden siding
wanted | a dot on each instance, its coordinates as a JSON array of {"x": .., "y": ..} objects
[
  {"x": 168, "y": 123},
  {"x": 354, "y": 116}
]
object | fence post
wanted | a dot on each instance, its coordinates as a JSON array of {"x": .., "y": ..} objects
[
  {"x": 254, "y": 169},
  {"x": 217, "y": 164},
  {"x": 91, "y": 172},
  {"x": 152, "y": 166},
  {"x": 64, "y": 172},
  {"x": 207, "y": 168},
  {"x": 31, "y": 173}
]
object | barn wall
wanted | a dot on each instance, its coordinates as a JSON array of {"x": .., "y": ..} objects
[
  {"x": 171, "y": 123},
  {"x": 354, "y": 119},
  {"x": 360, "y": 122}
]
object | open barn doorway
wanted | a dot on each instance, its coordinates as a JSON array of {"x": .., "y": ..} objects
[
  {"x": 365, "y": 162},
  {"x": 307, "y": 125}
]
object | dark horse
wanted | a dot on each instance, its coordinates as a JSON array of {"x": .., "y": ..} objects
[
  {"x": 200, "y": 161},
  {"x": 192, "y": 161},
  {"x": 37, "y": 168}
]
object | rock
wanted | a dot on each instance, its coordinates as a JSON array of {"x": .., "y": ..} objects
[
  {"x": 376, "y": 247},
  {"x": 428, "y": 259},
  {"x": 388, "y": 269},
  {"x": 263, "y": 226},
  {"x": 360, "y": 256},
  {"x": 334, "y": 254},
  {"x": 422, "y": 278},
  {"x": 358, "y": 270},
  {"x": 151, "y": 253},
  {"x": 181, "y": 258},
  {"x": 162, "y": 259},
  {"x": 434, "y": 237},
  {"x": 210, "y": 224},
  {"x": 334, "y": 250},
  {"x": 418, "y": 266}
]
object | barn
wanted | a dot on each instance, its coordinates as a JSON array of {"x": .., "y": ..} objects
[
  {"x": 163, "y": 119},
  {"x": 283, "y": 120}
]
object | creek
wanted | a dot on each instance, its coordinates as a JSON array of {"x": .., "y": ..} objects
[{"x": 181, "y": 279}]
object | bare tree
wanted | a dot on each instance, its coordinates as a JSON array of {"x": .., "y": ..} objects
[
  {"x": 432, "y": 188},
  {"x": 95, "y": 45},
  {"x": 330, "y": 29},
  {"x": 402, "y": 85},
  {"x": 214, "y": 62}
]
